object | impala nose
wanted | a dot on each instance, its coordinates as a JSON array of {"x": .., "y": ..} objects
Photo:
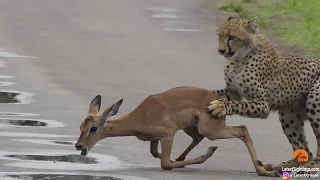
[{"x": 78, "y": 146}]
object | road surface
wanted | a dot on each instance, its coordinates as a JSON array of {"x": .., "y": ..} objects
[{"x": 121, "y": 49}]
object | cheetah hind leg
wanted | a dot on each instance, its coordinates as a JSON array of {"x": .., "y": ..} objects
[
  {"x": 281, "y": 166},
  {"x": 292, "y": 122},
  {"x": 313, "y": 115}
]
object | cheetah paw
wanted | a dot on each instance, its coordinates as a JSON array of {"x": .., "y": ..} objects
[{"x": 217, "y": 108}]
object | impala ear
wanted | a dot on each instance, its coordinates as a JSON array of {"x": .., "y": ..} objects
[
  {"x": 110, "y": 111},
  {"x": 95, "y": 105}
]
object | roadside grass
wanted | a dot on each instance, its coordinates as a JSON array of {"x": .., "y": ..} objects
[{"x": 295, "y": 22}]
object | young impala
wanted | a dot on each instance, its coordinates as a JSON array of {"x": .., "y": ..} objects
[{"x": 158, "y": 118}]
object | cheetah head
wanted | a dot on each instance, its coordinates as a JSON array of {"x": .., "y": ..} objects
[{"x": 237, "y": 37}]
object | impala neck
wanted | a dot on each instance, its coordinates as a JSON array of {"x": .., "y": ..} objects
[{"x": 124, "y": 126}]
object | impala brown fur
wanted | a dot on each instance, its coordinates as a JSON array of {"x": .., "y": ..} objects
[{"x": 158, "y": 118}]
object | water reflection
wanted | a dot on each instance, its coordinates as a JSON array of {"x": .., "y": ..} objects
[
  {"x": 8, "y": 97},
  {"x": 63, "y": 142},
  {"x": 61, "y": 177},
  {"x": 22, "y": 122},
  {"x": 71, "y": 158}
]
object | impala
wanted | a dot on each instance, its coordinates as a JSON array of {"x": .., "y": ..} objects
[{"x": 158, "y": 118}]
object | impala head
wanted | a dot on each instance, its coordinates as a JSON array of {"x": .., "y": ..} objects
[
  {"x": 237, "y": 37},
  {"x": 93, "y": 125}
]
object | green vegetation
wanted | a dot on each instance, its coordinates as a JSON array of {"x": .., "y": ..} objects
[{"x": 296, "y": 22}]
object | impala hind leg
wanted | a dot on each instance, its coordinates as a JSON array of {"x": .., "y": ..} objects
[
  {"x": 154, "y": 148},
  {"x": 196, "y": 139},
  {"x": 242, "y": 133},
  {"x": 166, "y": 147}
]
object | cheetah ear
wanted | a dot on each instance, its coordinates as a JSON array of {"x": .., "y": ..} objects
[
  {"x": 230, "y": 17},
  {"x": 253, "y": 25}
]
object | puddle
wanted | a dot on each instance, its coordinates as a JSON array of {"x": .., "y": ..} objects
[
  {"x": 17, "y": 114},
  {"x": 19, "y": 122},
  {"x": 49, "y": 142},
  {"x": 6, "y": 77},
  {"x": 71, "y": 158},
  {"x": 63, "y": 160},
  {"x": 64, "y": 176},
  {"x": 17, "y": 97},
  {"x": 63, "y": 142},
  {"x": 6, "y": 83},
  {"x": 20, "y": 134}
]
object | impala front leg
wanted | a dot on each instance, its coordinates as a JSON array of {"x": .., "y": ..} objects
[{"x": 253, "y": 109}]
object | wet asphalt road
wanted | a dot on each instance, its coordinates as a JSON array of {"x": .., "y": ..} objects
[{"x": 122, "y": 49}]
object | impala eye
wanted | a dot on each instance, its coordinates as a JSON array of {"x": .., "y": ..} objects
[
  {"x": 231, "y": 37},
  {"x": 93, "y": 129}
]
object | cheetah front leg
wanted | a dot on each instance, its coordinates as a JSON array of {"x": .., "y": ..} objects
[
  {"x": 253, "y": 109},
  {"x": 227, "y": 94}
]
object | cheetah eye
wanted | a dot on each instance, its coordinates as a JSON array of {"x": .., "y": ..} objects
[{"x": 231, "y": 37}]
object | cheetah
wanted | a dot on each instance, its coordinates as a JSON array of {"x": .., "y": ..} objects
[{"x": 259, "y": 79}]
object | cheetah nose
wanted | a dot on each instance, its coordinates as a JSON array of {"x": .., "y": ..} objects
[{"x": 221, "y": 51}]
